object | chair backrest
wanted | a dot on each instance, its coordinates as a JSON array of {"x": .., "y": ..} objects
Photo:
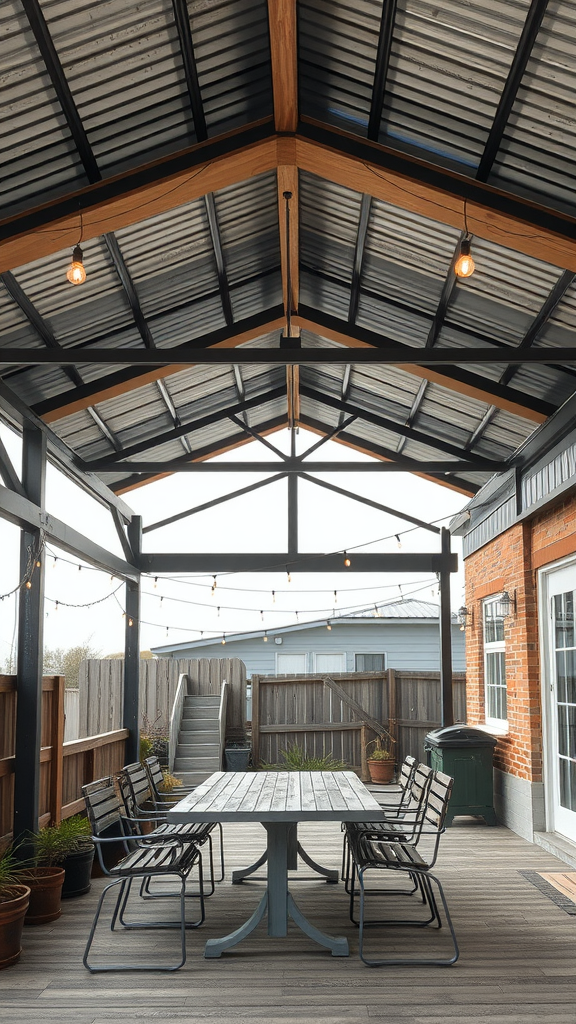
[
  {"x": 437, "y": 801},
  {"x": 154, "y": 773},
  {"x": 136, "y": 778},
  {"x": 102, "y": 805},
  {"x": 406, "y": 778}
]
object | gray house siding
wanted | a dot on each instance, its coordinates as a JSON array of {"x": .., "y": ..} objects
[{"x": 412, "y": 646}]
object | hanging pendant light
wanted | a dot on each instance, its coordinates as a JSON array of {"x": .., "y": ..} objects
[
  {"x": 76, "y": 273},
  {"x": 464, "y": 266}
]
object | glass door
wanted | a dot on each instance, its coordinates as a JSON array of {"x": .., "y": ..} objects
[{"x": 560, "y": 690}]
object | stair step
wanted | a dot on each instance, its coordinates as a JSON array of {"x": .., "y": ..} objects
[
  {"x": 198, "y": 750},
  {"x": 191, "y": 764},
  {"x": 199, "y": 736},
  {"x": 207, "y": 701},
  {"x": 200, "y": 715}
]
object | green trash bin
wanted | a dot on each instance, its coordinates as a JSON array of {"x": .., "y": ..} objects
[{"x": 466, "y": 754}]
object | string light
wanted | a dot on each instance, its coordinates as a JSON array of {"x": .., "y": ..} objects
[
  {"x": 130, "y": 622},
  {"x": 347, "y": 562},
  {"x": 328, "y": 627},
  {"x": 214, "y": 585},
  {"x": 335, "y": 597},
  {"x": 288, "y": 575},
  {"x": 218, "y": 610},
  {"x": 38, "y": 564},
  {"x": 265, "y": 637},
  {"x": 398, "y": 541},
  {"x": 155, "y": 582},
  {"x": 56, "y": 606},
  {"x": 273, "y": 597},
  {"x": 261, "y": 615},
  {"x": 223, "y": 640},
  {"x": 28, "y": 585}
]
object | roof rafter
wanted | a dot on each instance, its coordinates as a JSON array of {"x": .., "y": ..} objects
[{"x": 283, "y": 56}]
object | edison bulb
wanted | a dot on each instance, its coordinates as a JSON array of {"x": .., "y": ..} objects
[
  {"x": 76, "y": 273},
  {"x": 464, "y": 265}
]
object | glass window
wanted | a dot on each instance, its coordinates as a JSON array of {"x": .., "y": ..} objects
[
  {"x": 494, "y": 662},
  {"x": 370, "y": 662},
  {"x": 329, "y": 662},
  {"x": 291, "y": 664}
]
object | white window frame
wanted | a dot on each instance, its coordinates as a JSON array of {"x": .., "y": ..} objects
[
  {"x": 328, "y": 654},
  {"x": 492, "y": 648},
  {"x": 291, "y": 654}
]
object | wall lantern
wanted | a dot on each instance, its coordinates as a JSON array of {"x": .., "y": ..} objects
[
  {"x": 507, "y": 604},
  {"x": 465, "y": 618}
]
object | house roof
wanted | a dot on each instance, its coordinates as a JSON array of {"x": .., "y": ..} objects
[
  {"x": 406, "y": 610},
  {"x": 164, "y": 135}
]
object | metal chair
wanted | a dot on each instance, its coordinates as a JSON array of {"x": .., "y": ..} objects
[
  {"x": 406, "y": 857},
  {"x": 155, "y": 777},
  {"x": 403, "y": 818},
  {"x": 145, "y": 857}
]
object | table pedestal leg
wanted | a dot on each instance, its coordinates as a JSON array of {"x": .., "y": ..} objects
[
  {"x": 277, "y": 901},
  {"x": 294, "y": 850}
]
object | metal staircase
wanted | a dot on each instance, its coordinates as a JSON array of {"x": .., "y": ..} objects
[{"x": 197, "y": 733}]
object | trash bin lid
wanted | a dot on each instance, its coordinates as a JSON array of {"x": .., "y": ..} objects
[{"x": 460, "y": 735}]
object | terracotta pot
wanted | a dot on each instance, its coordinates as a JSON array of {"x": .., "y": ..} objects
[
  {"x": 45, "y": 894},
  {"x": 12, "y": 913},
  {"x": 381, "y": 771}
]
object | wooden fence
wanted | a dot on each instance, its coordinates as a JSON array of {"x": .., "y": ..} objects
[
  {"x": 323, "y": 718},
  {"x": 64, "y": 767},
  {"x": 101, "y": 691}
]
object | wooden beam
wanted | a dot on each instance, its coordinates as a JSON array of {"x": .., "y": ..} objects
[
  {"x": 345, "y": 336},
  {"x": 439, "y": 194},
  {"x": 283, "y": 55},
  {"x": 138, "y": 194}
]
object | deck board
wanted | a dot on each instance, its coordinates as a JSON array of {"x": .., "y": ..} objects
[{"x": 517, "y": 952}]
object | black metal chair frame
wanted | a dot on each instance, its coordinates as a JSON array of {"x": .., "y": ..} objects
[
  {"x": 145, "y": 857},
  {"x": 403, "y": 819},
  {"x": 404, "y": 857},
  {"x": 153, "y": 771}
]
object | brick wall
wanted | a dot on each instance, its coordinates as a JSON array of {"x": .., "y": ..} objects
[{"x": 510, "y": 563}]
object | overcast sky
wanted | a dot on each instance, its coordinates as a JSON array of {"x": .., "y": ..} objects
[{"x": 178, "y": 609}]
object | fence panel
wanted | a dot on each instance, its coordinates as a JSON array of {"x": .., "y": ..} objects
[
  {"x": 101, "y": 691},
  {"x": 305, "y": 710}
]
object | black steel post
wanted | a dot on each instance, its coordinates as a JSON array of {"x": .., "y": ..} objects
[
  {"x": 30, "y": 644},
  {"x": 446, "y": 631},
  {"x": 293, "y": 514},
  {"x": 131, "y": 712}
]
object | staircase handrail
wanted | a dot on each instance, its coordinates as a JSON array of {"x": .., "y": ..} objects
[
  {"x": 222, "y": 716},
  {"x": 176, "y": 717}
]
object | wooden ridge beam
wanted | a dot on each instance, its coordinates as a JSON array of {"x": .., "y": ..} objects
[{"x": 283, "y": 56}]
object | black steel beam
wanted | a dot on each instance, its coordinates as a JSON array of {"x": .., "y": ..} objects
[
  {"x": 344, "y": 422},
  {"x": 218, "y": 563},
  {"x": 372, "y": 504},
  {"x": 131, "y": 702},
  {"x": 182, "y": 19},
  {"x": 382, "y": 68},
  {"x": 17, "y": 412},
  {"x": 129, "y": 375},
  {"x": 295, "y": 466},
  {"x": 412, "y": 465},
  {"x": 61, "y": 88},
  {"x": 387, "y": 424},
  {"x": 212, "y": 504},
  {"x": 219, "y": 257},
  {"x": 257, "y": 437},
  {"x": 8, "y": 473},
  {"x": 388, "y": 353},
  {"x": 555, "y": 296},
  {"x": 189, "y": 428},
  {"x": 359, "y": 257},
  {"x": 129, "y": 290},
  {"x": 30, "y": 516},
  {"x": 293, "y": 514},
  {"x": 30, "y": 641},
  {"x": 447, "y": 712},
  {"x": 122, "y": 537},
  {"x": 207, "y": 452},
  {"x": 513, "y": 82}
]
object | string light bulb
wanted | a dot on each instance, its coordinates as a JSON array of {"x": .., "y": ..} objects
[
  {"x": 130, "y": 622},
  {"x": 464, "y": 266},
  {"x": 28, "y": 585},
  {"x": 398, "y": 541},
  {"x": 76, "y": 273},
  {"x": 273, "y": 597},
  {"x": 328, "y": 627},
  {"x": 214, "y": 585},
  {"x": 265, "y": 637},
  {"x": 38, "y": 563},
  {"x": 347, "y": 562},
  {"x": 155, "y": 581},
  {"x": 288, "y": 575},
  {"x": 223, "y": 640},
  {"x": 335, "y": 597}
]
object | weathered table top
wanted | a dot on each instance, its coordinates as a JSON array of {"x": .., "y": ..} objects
[{"x": 278, "y": 796}]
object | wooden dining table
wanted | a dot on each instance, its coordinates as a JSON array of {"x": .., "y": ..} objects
[{"x": 277, "y": 800}]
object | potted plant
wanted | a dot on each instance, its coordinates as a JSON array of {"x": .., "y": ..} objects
[
  {"x": 381, "y": 761},
  {"x": 77, "y": 852},
  {"x": 45, "y": 877},
  {"x": 14, "y": 896}
]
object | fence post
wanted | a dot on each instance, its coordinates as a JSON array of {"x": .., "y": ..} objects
[
  {"x": 364, "y": 773},
  {"x": 255, "y": 720},
  {"x": 57, "y": 750}
]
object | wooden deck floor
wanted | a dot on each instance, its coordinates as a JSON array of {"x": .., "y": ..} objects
[{"x": 517, "y": 953}]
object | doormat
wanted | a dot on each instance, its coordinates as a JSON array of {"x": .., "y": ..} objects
[{"x": 558, "y": 886}]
